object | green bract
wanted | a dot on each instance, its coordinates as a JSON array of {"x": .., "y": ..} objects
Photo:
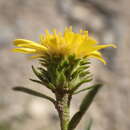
[{"x": 60, "y": 73}]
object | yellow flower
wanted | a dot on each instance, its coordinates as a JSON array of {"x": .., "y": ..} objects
[{"x": 79, "y": 44}]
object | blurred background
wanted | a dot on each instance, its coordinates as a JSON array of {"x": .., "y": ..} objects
[{"x": 107, "y": 20}]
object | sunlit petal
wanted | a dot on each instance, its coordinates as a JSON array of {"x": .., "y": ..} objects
[
  {"x": 55, "y": 43},
  {"x": 97, "y": 55},
  {"x": 24, "y": 50},
  {"x": 28, "y": 44}
]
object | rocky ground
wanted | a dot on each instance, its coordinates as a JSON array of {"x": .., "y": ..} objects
[{"x": 108, "y": 21}]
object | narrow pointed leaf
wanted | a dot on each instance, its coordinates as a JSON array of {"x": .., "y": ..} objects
[
  {"x": 80, "y": 83},
  {"x": 84, "y": 107},
  {"x": 37, "y": 73},
  {"x": 89, "y": 97},
  {"x": 82, "y": 90},
  {"x": 37, "y": 81},
  {"x": 34, "y": 93},
  {"x": 42, "y": 83}
]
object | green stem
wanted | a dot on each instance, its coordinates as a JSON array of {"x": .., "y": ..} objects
[{"x": 62, "y": 106}]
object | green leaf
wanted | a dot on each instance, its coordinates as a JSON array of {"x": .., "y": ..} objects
[
  {"x": 61, "y": 79},
  {"x": 42, "y": 70},
  {"x": 79, "y": 83},
  {"x": 82, "y": 90},
  {"x": 75, "y": 67},
  {"x": 46, "y": 84},
  {"x": 86, "y": 102},
  {"x": 89, "y": 98},
  {"x": 37, "y": 81},
  {"x": 52, "y": 73},
  {"x": 37, "y": 73},
  {"x": 64, "y": 63},
  {"x": 51, "y": 86},
  {"x": 84, "y": 73},
  {"x": 79, "y": 70},
  {"x": 84, "y": 62},
  {"x": 34, "y": 93},
  {"x": 43, "y": 61}
]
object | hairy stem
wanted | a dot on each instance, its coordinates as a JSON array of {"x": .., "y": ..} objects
[{"x": 62, "y": 106}]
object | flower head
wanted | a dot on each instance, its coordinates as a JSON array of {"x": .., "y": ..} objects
[{"x": 68, "y": 43}]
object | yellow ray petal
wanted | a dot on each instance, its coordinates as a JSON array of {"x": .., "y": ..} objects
[
  {"x": 87, "y": 49},
  {"x": 24, "y": 50},
  {"x": 39, "y": 49},
  {"x": 99, "y": 58},
  {"x": 22, "y": 41},
  {"x": 97, "y": 55},
  {"x": 41, "y": 38},
  {"x": 28, "y": 44},
  {"x": 99, "y": 47},
  {"x": 91, "y": 41}
]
